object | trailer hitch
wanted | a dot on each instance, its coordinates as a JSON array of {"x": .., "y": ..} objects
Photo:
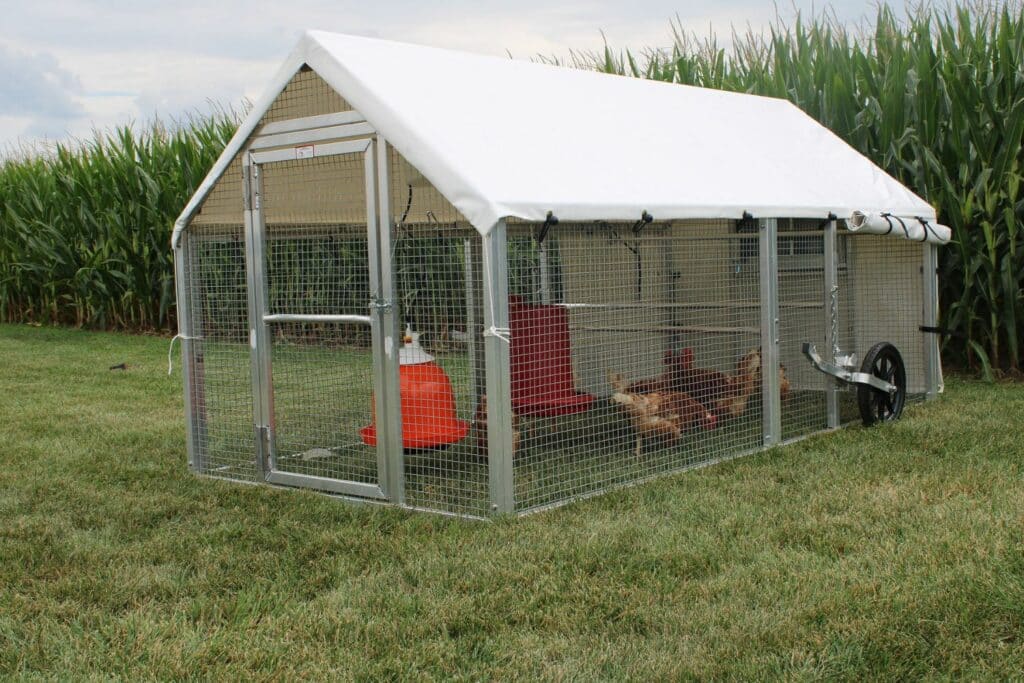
[{"x": 846, "y": 374}]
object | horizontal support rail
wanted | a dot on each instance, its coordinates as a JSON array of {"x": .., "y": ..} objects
[
  {"x": 308, "y": 122},
  {"x": 312, "y": 318},
  {"x": 319, "y": 150},
  {"x": 701, "y": 329},
  {"x": 313, "y": 135},
  {"x": 348, "y": 488},
  {"x": 687, "y": 306}
]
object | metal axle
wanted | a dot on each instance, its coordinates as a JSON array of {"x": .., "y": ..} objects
[{"x": 845, "y": 374}]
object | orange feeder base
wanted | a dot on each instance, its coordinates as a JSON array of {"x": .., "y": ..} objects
[{"x": 429, "y": 419}]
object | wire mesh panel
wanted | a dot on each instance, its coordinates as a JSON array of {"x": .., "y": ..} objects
[
  {"x": 802, "y": 318},
  {"x": 306, "y": 94},
  {"x": 219, "y": 366},
  {"x": 436, "y": 260},
  {"x": 634, "y": 352},
  {"x": 316, "y": 263}
]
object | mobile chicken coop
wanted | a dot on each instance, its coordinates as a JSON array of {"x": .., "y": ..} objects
[{"x": 475, "y": 285}]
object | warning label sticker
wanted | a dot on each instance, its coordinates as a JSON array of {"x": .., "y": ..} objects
[{"x": 305, "y": 152}]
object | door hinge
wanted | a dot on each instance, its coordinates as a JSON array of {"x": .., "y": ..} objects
[{"x": 381, "y": 305}]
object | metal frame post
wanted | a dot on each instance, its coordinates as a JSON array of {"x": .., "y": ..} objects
[
  {"x": 497, "y": 359},
  {"x": 256, "y": 286},
  {"x": 772, "y": 412},
  {"x": 188, "y": 369},
  {"x": 387, "y": 332},
  {"x": 831, "y": 321},
  {"x": 545, "y": 273},
  {"x": 930, "y": 301}
]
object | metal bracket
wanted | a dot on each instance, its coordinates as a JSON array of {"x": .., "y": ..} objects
[
  {"x": 380, "y": 305},
  {"x": 844, "y": 374}
]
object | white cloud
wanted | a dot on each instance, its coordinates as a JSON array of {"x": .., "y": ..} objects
[{"x": 72, "y": 65}]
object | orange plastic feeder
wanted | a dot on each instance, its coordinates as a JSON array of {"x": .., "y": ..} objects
[{"x": 429, "y": 419}]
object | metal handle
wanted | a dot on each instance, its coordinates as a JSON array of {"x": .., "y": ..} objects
[{"x": 298, "y": 318}]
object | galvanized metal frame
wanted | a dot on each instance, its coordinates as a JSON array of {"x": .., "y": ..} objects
[
  {"x": 497, "y": 359},
  {"x": 184, "y": 311},
  {"x": 930, "y": 302},
  {"x": 322, "y": 150},
  {"x": 303, "y": 137},
  {"x": 545, "y": 273},
  {"x": 316, "y": 318},
  {"x": 387, "y": 332},
  {"x": 831, "y": 309},
  {"x": 261, "y": 318},
  {"x": 255, "y": 285},
  {"x": 309, "y": 122},
  {"x": 769, "y": 287}
]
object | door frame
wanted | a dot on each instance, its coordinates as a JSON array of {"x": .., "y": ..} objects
[{"x": 382, "y": 318}]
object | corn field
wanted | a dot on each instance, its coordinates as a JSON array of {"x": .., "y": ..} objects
[
  {"x": 936, "y": 99},
  {"x": 85, "y": 229}
]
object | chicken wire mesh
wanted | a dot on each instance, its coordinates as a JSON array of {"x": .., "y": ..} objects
[
  {"x": 634, "y": 352},
  {"x": 218, "y": 362},
  {"x": 800, "y": 259},
  {"x": 436, "y": 259},
  {"x": 306, "y": 94},
  {"x": 316, "y": 263}
]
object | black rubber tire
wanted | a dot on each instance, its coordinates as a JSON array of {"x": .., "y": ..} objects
[{"x": 885, "y": 362}]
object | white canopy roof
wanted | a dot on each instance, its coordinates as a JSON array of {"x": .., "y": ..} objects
[{"x": 503, "y": 138}]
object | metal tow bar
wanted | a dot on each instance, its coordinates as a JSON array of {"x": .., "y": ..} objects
[{"x": 846, "y": 374}]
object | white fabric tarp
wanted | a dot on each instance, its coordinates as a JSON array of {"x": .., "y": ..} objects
[{"x": 503, "y": 138}]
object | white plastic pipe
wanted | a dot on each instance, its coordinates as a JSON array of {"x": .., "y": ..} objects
[{"x": 907, "y": 227}]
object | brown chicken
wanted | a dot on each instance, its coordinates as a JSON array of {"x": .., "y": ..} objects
[
  {"x": 659, "y": 415},
  {"x": 725, "y": 395},
  {"x": 743, "y": 385}
]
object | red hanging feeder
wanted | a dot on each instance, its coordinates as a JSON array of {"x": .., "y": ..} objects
[
  {"x": 541, "y": 362},
  {"x": 429, "y": 418}
]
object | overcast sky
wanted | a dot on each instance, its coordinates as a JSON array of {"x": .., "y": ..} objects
[{"x": 67, "y": 66}]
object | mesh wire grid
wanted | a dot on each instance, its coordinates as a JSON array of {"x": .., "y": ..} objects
[
  {"x": 633, "y": 353},
  {"x": 316, "y": 263},
  {"x": 800, "y": 246},
  {"x": 222, "y": 397},
  {"x": 436, "y": 259}
]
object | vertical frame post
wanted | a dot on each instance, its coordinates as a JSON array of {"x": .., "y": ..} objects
[
  {"x": 772, "y": 414},
  {"x": 256, "y": 292},
  {"x": 386, "y": 327},
  {"x": 545, "y": 273},
  {"x": 499, "y": 381},
  {"x": 831, "y": 321},
  {"x": 188, "y": 369},
  {"x": 930, "y": 301}
]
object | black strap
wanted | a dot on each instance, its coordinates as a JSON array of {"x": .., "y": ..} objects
[
  {"x": 927, "y": 229},
  {"x": 928, "y": 329}
]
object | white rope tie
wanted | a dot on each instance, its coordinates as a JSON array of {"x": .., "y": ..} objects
[
  {"x": 170, "y": 351},
  {"x": 502, "y": 333}
]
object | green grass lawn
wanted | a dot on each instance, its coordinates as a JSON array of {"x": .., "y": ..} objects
[{"x": 895, "y": 552}]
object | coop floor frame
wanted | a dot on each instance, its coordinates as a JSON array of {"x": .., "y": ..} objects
[{"x": 280, "y": 142}]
